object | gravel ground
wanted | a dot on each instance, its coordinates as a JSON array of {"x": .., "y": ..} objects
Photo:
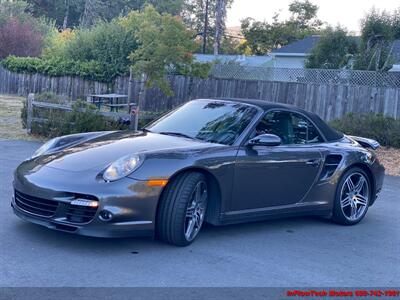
[{"x": 390, "y": 158}]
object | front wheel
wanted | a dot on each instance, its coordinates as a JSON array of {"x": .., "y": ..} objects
[
  {"x": 182, "y": 209},
  {"x": 353, "y": 196}
]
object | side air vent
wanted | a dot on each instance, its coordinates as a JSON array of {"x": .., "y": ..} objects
[{"x": 331, "y": 164}]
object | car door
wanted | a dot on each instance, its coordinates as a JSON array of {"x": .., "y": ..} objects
[{"x": 280, "y": 175}]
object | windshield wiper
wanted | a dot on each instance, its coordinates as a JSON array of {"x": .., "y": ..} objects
[{"x": 177, "y": 134}]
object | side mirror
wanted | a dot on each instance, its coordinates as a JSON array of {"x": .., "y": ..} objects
[{"x": 268, "y": 140}]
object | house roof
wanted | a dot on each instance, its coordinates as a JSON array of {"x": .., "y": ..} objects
[
  {"x": 252, "y": 61},
  {"x": 304, "y": 47},
  {"x": 298, "y": 48}
]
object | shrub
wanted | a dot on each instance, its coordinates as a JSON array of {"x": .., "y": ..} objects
[
  {"x": 20, "y": 39},
  {"x": 91, "y": 70},
  {"x": 84, "y": 117},
  {"x": 56, "y": 43},
  {"x": 385, "y": 130},
  {"x": 108, "y": 43},
  {"x": 100, "y": 54}
]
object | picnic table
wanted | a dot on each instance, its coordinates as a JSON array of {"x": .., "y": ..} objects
[{"x": 113, "y": 101}]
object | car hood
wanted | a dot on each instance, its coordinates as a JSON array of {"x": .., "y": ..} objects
[{"x": 99, "y": 152}]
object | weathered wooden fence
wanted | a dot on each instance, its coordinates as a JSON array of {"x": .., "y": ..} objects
[
  {"x": 32, "y": 103},
  {"x": 327, "y": 100}
]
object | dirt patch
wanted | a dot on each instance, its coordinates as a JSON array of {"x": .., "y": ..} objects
[
  {"x": 10, "y": 120},
  {"x": 390, "y": 158}
]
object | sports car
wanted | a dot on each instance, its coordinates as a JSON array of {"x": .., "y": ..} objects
[{"x": 220, "y": 161}]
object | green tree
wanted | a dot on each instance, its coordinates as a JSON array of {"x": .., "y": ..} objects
[
  {"x": 164, "y": 43},
  {"x": 12, "y": 9},
  {"x": 109, "y": 44},
  {"x": 72, "y": 13},
  {"x": 304, "y": 14},
  {"x": 378, "y": 31},
  {"x": 263, "y": 37},
  {"x": 333, "y": 51},
  {"x": 66, "y": 13},
  {"x": 92, "y": 13},
  {"x": 196, "y": 13}
]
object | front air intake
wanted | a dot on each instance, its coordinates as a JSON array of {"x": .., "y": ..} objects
[{"x": 34, "y": 205}]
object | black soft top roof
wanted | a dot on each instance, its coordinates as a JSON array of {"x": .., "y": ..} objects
[{"x": 329, "y": 133}]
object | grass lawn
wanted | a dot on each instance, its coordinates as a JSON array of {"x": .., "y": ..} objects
[{"x": 10, "y": 120}]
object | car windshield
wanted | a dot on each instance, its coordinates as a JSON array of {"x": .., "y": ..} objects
[{"x": 211, "y": 121}]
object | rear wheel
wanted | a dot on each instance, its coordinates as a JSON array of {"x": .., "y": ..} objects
[
  {"x": 353, "y": 196},
  {"x": 182, "y": 209}
]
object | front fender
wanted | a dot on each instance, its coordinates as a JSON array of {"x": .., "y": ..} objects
[{"x": 218, "y": 161}]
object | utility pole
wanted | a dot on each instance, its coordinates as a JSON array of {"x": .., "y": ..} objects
[{"x": 205, "y": 27}]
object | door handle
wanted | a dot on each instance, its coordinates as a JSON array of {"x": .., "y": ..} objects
[{"x": 313, "y": 162}]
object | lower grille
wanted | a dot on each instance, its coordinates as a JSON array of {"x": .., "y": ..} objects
[
  {"x": 38, "y": 206},
  {"x": 80, "y": 214},
  {"x": 77, "y": 214}
]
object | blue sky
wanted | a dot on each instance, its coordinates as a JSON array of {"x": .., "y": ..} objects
[{"x": 345, "y": 12}]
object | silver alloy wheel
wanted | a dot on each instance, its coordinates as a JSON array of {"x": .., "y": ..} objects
[
  {"x": 196, "y": 211},
  {"x": 354, "y": 196}
]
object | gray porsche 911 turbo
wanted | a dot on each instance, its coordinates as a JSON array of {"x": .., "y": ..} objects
[{"x": 218, "y": 161}]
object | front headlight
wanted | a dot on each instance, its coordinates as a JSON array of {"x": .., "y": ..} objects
[
  {"x": 122, "y": 167},
  {"x": 45, "y": 147}
]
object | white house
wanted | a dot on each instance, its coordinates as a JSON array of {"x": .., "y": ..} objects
[{"x": 295, "y": 54}]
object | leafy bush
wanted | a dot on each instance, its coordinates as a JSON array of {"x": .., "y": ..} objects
[
  {"x": 91, "y": 70},
  {"x": 56, "y": 43},
  {"x": 20, "y": 33},
  {"x": 20, "y": 39},
  {"x": 100, "y": 53},
  {"x": 108, "y": 43},
  {"x": 333, "y": 51},
  {"x": 385, "y": 130},
  {"x": 84, "y": 117}
]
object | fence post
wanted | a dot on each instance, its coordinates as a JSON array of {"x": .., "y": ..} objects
[
  {"x": 134, "y": 116},
  {"x": 29, "y": 112}
]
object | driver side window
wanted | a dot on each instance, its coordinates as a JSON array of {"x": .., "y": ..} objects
[{"x": 292, "y": 128}]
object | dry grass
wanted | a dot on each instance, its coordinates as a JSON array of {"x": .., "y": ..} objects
[{"x": 10, "y": 120}]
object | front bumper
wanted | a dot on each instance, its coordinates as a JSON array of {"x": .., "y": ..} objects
[{"x": 131, "y": 204}]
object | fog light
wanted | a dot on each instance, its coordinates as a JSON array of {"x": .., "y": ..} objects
[
  {"x": 105, "y": 216},
  {"x": 84, "y": 202}
]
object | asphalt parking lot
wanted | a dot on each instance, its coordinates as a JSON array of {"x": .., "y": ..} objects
[{"x": 291, "y": 252}]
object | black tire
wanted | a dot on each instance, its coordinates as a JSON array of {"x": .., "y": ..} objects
[
  {"x": 338, "y": 214},
  {"x": 171, "y": 215}
]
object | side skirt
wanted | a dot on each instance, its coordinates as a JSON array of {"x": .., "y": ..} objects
[{"x": 273, "y": 213}]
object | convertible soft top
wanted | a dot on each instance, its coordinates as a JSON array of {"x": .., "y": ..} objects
[{"x": 329, "y": 133}]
